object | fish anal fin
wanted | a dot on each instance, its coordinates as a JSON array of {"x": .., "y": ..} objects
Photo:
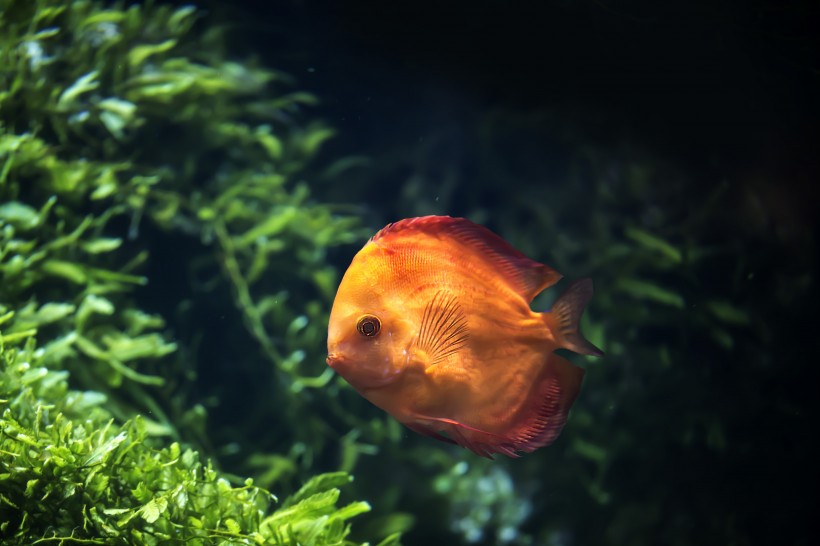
[
  {"x": 565, "y": 317},
  {"x": 537, "y": 422},
  {"x": 525, "y": 276},
  {"x": 541, "y": 418}
]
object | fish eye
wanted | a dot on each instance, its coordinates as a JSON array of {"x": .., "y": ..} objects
[{"x": 368, "y": 325}]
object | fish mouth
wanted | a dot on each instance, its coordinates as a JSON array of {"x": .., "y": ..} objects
[
  {"x": 333, "y": 360},
  {"x": 359, "y": 379}
]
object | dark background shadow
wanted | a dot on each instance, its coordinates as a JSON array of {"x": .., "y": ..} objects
[{"x": 723, "y": 91}]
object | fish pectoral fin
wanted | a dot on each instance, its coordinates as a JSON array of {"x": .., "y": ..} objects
[
  {"x": 443, "y": 330},
  {"x": 567, "y": 312}
]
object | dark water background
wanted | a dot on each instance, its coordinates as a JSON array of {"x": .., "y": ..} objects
[{"x": 554, "y": 122}]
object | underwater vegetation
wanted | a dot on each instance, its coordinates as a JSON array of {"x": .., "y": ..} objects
[
  {"x": 72, "y": 475},
  {"x": 173, "y": 231},
  {"x": 99, "y": 442}
]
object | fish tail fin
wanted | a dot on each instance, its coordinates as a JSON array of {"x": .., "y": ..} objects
[{"x": 566, "y": 317}]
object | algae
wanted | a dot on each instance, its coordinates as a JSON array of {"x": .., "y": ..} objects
[
  {"x": 168, "y": 256},
  {"x": 71, "y": 474},
  {"x": 120, "y": 126}
]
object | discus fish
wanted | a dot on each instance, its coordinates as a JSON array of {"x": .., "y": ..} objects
[{"x": 432, "y": 323}]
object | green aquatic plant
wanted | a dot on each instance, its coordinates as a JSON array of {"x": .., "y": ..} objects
[
  {"x": 142, "y": 176},
  {"x": 123, "y": 132},
  {"x": 482, "y": 497},
  {"x": 165, "y": 278},
  {"x": 71, "y": 474}
]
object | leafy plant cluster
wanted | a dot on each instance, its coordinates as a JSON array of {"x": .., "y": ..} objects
[
  {"x": 158, "y": 241},
  {"x": 70, "y": 474},
  {"x": 137, "y": 161}
]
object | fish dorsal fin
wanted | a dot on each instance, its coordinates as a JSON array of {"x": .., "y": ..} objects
[
  {"x": 443, "y": 330},
  {"x": 526, "y": 277}
]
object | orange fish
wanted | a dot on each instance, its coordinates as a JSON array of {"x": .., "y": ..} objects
[{"x": 432, "y": 323}]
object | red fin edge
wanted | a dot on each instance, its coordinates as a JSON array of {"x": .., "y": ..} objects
[
  {"x": 543, "y": 417},
  {"x": 538, "y": 423},
  {"x": 526, "y": 276}
]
